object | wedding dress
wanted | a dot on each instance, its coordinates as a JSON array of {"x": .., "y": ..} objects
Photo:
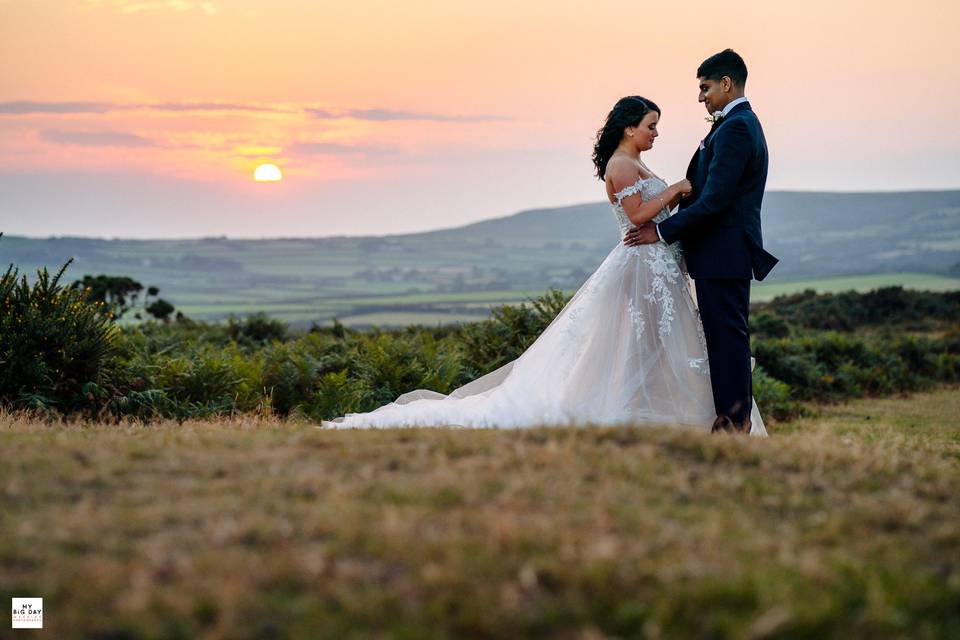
[{"x": 627, "y": 349}]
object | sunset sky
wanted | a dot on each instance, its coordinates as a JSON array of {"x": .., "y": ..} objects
[{"x": 137, "y": 118}]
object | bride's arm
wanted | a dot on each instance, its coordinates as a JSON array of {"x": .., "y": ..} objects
[
  {"x": 674, "y": 202},
  {"x": 640, "y": 212},
  {"x": 623, "y": 175}
]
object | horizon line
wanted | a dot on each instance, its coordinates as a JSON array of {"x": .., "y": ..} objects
[{"x": 225, "y": 237}]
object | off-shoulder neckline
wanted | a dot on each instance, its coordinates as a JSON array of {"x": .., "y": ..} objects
[{"x": 620, "y": 195}]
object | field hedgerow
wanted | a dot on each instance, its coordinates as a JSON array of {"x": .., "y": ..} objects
[{"x": 63, "y": 355}]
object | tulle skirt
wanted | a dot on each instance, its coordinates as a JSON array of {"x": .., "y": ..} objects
[{"x": 628, "y": 349}]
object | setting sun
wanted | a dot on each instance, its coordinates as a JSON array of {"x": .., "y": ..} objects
[{"x": 268, "y": 173}]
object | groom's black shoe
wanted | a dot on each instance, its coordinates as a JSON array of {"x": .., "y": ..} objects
[
  {"x": 722, "y": 424},
  {"x": 725, "y": 424},
  {"x": 743, "y": 427}
]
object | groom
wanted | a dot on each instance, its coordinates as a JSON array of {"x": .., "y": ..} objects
[{"x": 719, "y": 225}]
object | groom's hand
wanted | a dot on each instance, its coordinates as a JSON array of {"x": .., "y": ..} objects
[{"x": 644, "y": 234}]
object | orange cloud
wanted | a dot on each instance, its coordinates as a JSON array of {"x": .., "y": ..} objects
[{"x": 139, "y": 6}]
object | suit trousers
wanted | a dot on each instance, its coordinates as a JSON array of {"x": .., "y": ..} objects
[{"x": 725, "y": 311}]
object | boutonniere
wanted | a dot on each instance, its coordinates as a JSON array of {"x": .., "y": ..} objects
[{"x": 716, "y": 117}]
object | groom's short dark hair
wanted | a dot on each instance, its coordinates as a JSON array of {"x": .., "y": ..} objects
[{"x": 726, "y": 63}]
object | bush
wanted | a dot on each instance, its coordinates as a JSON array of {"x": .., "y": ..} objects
[
  {"x": 208, "y": 381},
  {"x": 160, "y": 309},
  {"x": 775, "y": 398},
  {"x": 289, "y": 377},
  {"x": 490, "y": 344},
  {"x": 768, "y": 325},
  {"x": 849, "y": 311},
  {"x": 256, "y": 329},
  {"x": 60, "y": 351},
  {"x": 53, "y": 342},
  {"x": 832, "y": 366}
]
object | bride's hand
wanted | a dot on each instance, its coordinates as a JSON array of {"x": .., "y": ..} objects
[{"x": 682, "y": 188}]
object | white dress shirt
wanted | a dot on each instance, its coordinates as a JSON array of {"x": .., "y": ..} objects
[
  {"x": 732, "y": 104},
  {"x": 726, "y": 110}
]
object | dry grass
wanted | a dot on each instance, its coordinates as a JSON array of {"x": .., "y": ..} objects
[{"x": 847, "y": 524}]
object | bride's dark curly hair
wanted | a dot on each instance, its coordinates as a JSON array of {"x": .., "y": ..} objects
[{"x": 628, "y": 112}]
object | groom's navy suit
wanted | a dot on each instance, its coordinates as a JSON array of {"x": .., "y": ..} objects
[{"x": 719, "y": 225}]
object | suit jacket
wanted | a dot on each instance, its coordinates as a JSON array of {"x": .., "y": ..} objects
[{"x": 719, "y": 222}]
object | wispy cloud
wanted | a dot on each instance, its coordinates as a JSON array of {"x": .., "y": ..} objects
[
  {"x": 256, "y": 152},
  {"x": 96, "y": 138},
  {"x": 388, "y": 115},
  {"x": 326, "y": 149},
  {"x": 27, "y": 107},
  {"x": 22, "y": 107},
  {"x": 208, "y": 106},
  {"x": 139, "y": 6}
]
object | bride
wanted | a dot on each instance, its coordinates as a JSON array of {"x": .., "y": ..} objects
[{"x": 629, "y": 346}]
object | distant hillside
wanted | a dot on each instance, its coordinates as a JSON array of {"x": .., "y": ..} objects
[{"x": 816, "y": 235}]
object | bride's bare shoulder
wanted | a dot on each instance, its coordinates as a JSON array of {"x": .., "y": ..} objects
[{"x": 621, "y": 173}]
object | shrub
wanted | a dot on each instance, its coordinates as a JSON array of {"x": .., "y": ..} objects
[
  {"x": 289, "y": 377},
  {"x": 59, "y": 350},
  {"x": 160, "y": 309},
  {"x": 337, "y": 395},
  {"x": 768, "y": 325},
  {"x": 490, "y": 344},
  {"x": 775, "y": 398},
  {"x": 831, "y": 366},
  {"x": 388, "y": 365},
  {"x": 851, "y": 310},
  {"x": 53, "y": 342},
  {"x": 256, "y": 329}
]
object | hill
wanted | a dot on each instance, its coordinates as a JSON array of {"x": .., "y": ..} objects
[
  {"x": 814, "y": 234},
  {"x": 457, "y": 273}
]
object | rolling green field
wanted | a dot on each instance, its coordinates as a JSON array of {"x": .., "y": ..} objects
[
  {"x": 841, "y": 525},
  {"x": 394, "y": 310},
  {"x": 827, "y": 241},
  {"x": 762, "y": 291},
  {"x": 427, "y": 309}
]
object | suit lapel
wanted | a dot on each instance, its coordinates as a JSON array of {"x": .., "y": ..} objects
[
  {"x": 743, "y": 106},
  {"x": 692, "y": 167},
  {"x": 693, "y": 175},
  {"x": 696, "y": 170}
]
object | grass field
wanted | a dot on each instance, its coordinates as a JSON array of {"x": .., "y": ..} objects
[
  {"x": 846, "y": 524},
  {"x": 392, "y": 309},
  {"x": 762, "y": 292}
]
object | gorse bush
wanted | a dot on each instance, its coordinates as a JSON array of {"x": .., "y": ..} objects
[
  {"x": 508, "y": 332},
  {"x": 60, "y": 353},
  {"x": 832, "y": 366},
  {"x": 916, "y": 310},
  {"x": 256, "y": 329},
  {"x": 774, "y": 397},
  {"x": 54, "y": 343}
]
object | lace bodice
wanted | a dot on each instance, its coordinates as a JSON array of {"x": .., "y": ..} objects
[{"x": 648, "y": 188}]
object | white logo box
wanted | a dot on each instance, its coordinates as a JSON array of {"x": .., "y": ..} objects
[{"x": 27, "y": 613}]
